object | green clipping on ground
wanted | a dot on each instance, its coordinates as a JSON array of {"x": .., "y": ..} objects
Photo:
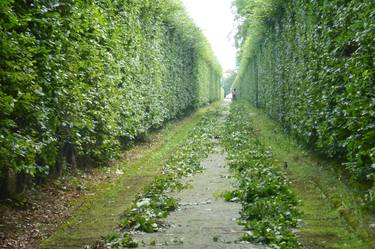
[
  {"x": 334, "y": 213},
  {"x": 147, "y": 211},
  {"x": 98, "y": 215},
  {"x": 269, "y": 208}
]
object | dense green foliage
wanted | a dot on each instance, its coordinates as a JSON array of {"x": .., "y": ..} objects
[
  {"x": 148, "y": 211},
  {"x": 309, "y": 65},
  {"x": 269, "y": 208},
  {"x": 78, "y": 79}
]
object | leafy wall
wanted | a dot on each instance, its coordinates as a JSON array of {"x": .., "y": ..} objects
[
  {"x": 78, "y": 79},
  {"x": 309, "y": 64}
]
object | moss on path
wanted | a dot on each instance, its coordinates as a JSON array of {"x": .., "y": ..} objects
[
  {"x": 332, "y": 217},
  {"x": 98, "y": 214},
  {"x": 204, "y": 219}
]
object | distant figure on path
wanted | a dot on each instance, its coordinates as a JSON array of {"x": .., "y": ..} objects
[{"x": 234, "y": 94}]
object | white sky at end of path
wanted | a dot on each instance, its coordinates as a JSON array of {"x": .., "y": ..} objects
[{"x": 216, "y": 20}]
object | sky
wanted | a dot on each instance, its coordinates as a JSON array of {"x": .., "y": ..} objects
[{"x": 216, "y": 20}]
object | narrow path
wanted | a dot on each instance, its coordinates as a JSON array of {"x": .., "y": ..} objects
[
  {"x": 204, "y": 219},
  {"x": 99, "y": 214}
]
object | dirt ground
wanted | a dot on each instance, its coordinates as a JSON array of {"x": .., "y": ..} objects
[
  {"x": 24, "y": 223},
  {"x": 40, "y": 211}
]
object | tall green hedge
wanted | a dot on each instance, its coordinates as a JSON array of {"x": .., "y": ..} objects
[
  {"x": 80, "y": 78},
  {"x": 309, "y": 64}
]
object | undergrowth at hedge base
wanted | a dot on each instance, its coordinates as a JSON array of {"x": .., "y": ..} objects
[
  {"x": 148, "y": 211},
  {"x": 269, "y": 208}
]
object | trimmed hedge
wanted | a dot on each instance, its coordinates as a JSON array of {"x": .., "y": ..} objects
[
  {"x": 81, "y": 78},
  {"x": 309, "y": 65}
]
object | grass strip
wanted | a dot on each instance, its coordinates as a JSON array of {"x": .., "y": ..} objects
[
  {"x": 333, "y": 206},
  {"x": 97, "y": 214},
  {"x": 149, "y": 209}
]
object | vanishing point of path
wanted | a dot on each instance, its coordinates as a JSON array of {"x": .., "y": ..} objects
[{"x": 204, "y": 219}]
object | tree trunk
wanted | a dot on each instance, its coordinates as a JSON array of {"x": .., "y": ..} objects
[
  {"x": 8, "y": 184},
  {"x": 22, "y": 182},
  {"x": 72, "y": 158},
  {"x": 60, "y": 162}
]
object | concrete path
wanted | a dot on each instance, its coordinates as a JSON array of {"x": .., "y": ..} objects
[{"x": 204, "y": 219}]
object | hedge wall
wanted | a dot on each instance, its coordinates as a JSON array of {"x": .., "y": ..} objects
[
  {"x": 309, "y": 64},
  {"x": 80, "y": 78}
]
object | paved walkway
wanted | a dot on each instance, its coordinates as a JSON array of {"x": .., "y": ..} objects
[{"x": 204, "y": 219}]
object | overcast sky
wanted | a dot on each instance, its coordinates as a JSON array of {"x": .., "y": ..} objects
[{"x": 216, "y": 19}]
